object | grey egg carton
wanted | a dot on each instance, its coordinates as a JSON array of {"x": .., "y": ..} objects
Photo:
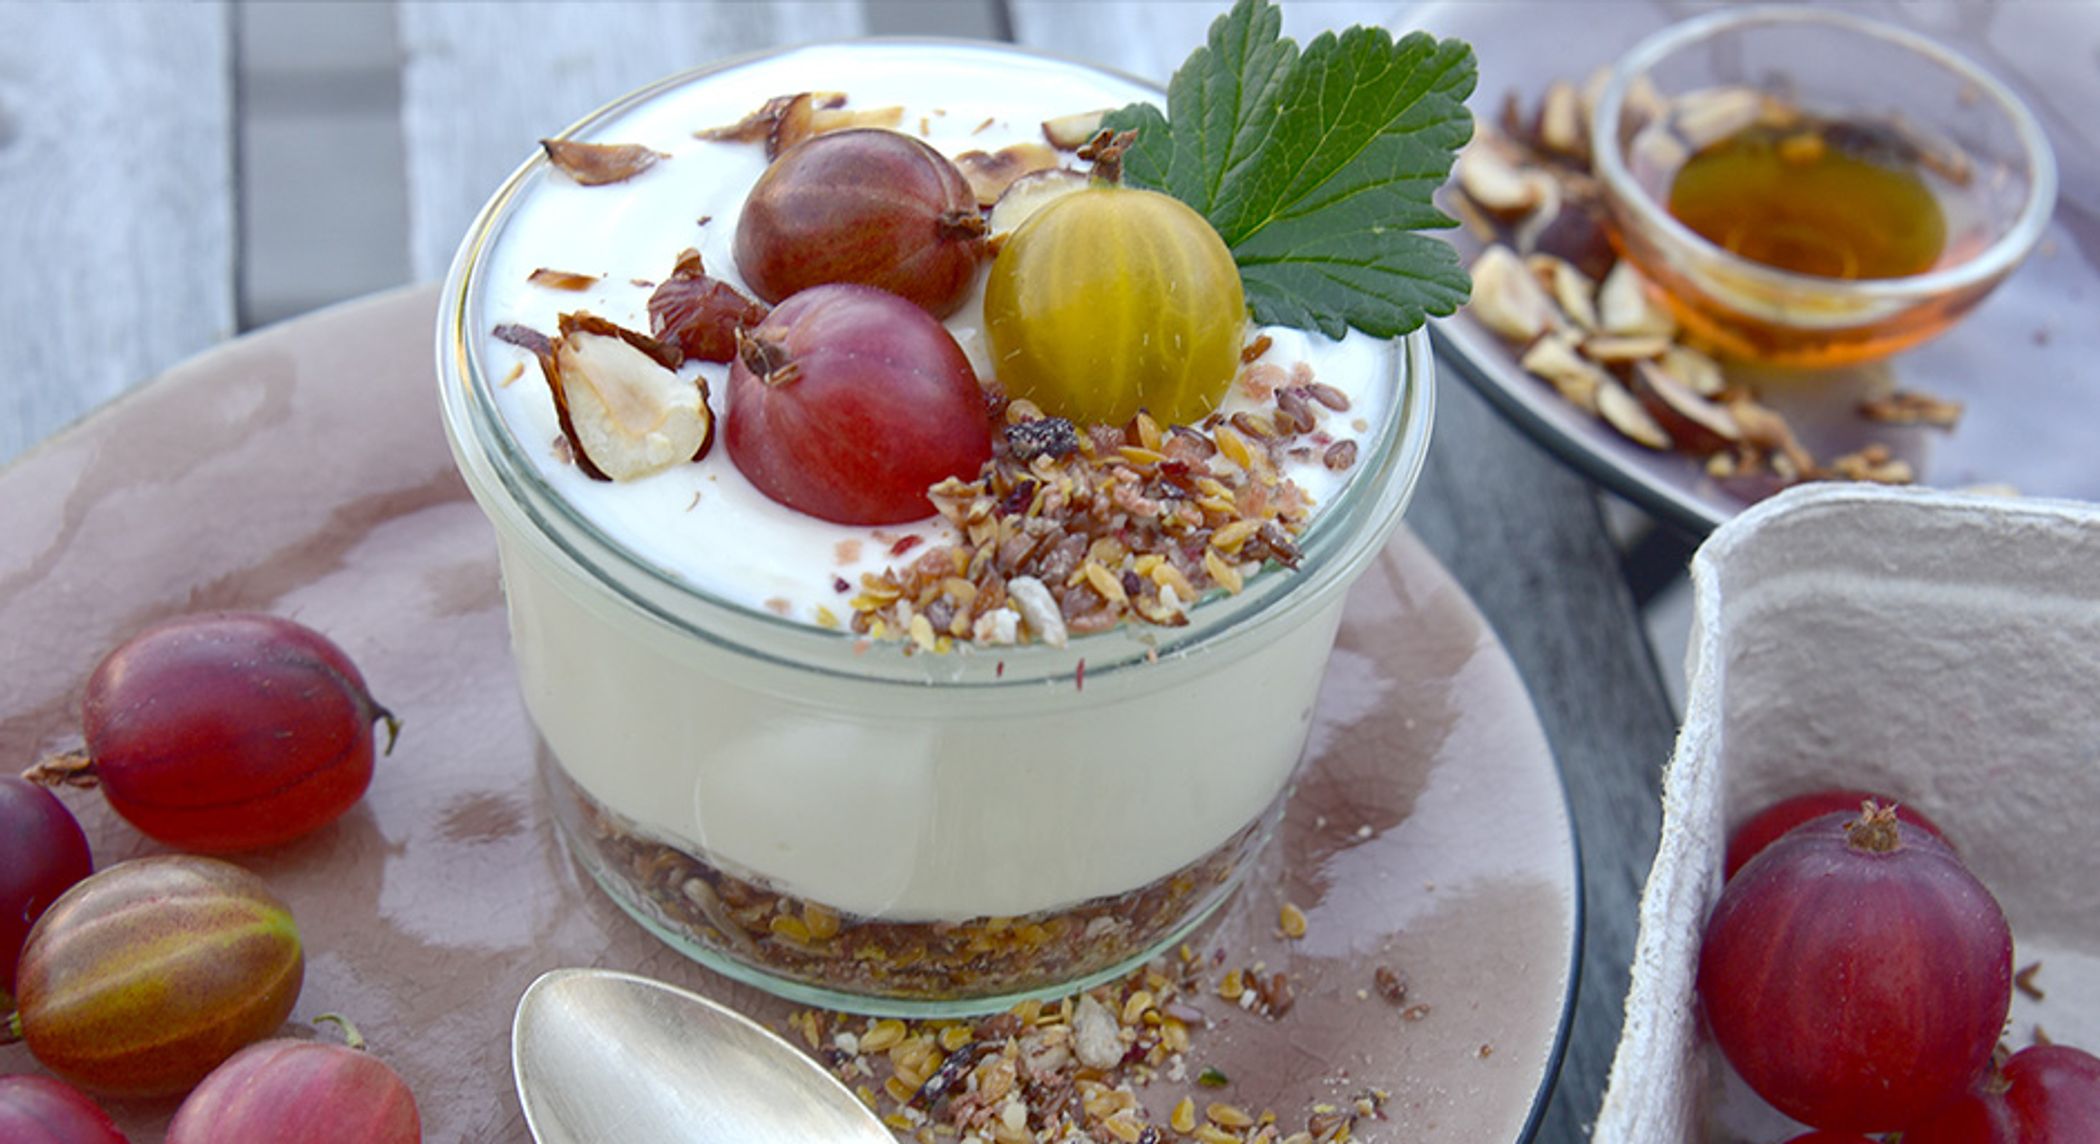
[{"x": 1941, "y": 648}]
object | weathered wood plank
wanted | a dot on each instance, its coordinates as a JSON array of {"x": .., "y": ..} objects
[
  {"x": 1523, "y": 535},
  {"x": 116, "y": 202},
  {"x": 480, "y": 82}
]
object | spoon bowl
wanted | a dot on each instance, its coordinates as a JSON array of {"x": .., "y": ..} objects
[{"x": 605, "y": 1056}]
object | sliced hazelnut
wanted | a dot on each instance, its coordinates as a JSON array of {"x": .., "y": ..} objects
[
  {"x": 1626, "y": 308},
  {"x": 759, "y": 126},
  {"x": 1699, "y": 372},
  {"x": 622, "y": 406},
  {"x": 990, "y": 173},
  {"x": 1070, "y": 132},
  {"x": 1508, "y": 299},
  {"x": 596, "y": 164},
  {"x": 1874, "y": 463},
  {"x": 1905, "y": 407},
  {"x": 1769, "y": 431},
  {"x": 1029, "y": 194},
  {"x": 1696, "y": 424},
  {"x": 1577, "y": 232},
  {"x": 1613, "y": 349},
  {"x": 1561, "y": 128},
  {"x": 1553, "y": 358},
  {"x": 1490, "y": 175},
  {"x": 561, "y": 279},
  {"x": 1624, "y": 412},
  {"x": 1572, "y": 290},
  {"x": 1707, "y": 117},
  {"x": 823, "y": 119}
]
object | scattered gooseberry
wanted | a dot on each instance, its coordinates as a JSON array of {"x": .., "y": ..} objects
[
  {"x": 42, "y": 853},
  {"x": 2043, "y": 1094},
  {"x": 146, "y": 975},
  {"x": 848, "y": 403},
  {"x": 1113, "y": 299},
  {"x": 1786, "y": 814},
  {"x": 1855, "y": 973},
  {"x": 310, "y": 1092},
  {"x": 40, "y": 1110},
  {"x": 866, "y": 206},
  {"x": 228, "y": 731}
]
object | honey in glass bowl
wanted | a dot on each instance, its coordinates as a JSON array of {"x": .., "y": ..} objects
[
  {"x": 1832, "y": 199},
  {"x": 1808, "y": 188}
]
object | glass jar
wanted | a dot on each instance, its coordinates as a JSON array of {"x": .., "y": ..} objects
[{"x": 848, "y": 825}]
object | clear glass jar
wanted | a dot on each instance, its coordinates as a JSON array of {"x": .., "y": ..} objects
[{"x": 868, "y": 830}]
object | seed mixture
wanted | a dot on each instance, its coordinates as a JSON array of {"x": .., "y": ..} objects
[
  {"x": 1069, "y": 531},
  {"x": 812, "y": 943},
  {"x": 1075, "y": 1070}
]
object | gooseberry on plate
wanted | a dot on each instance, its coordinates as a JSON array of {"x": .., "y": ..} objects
[
  {"x": 42, "y": 853},
  {"x": 146, "y": 975},
  {"x": 1113, "y": 299},
  {"x": 285, "y": 1091},
  {"x": 848, "y": 403},
  {"x": 228, "y": 731},
  {"x": 1855, "y": 973},
  {"x": 40, "y": 1110},
  {"x": 865, "y": 206}
]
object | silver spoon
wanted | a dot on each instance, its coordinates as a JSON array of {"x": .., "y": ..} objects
[{"x": 604, "y": 1057}]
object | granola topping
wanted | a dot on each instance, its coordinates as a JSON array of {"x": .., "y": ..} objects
[{"x": 1117, "y": 524}]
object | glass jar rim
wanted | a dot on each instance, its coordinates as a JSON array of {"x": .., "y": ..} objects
[
  {"x": 2000, "y": 256},
  {"x": 1344, "y": 536}
]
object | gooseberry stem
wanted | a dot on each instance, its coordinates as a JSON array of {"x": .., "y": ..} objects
[
  {"x": 1875, "y": 830},
  {"x": 1106, "y": 150},
  {"x": 69, "y": 768},
  {"x": 351, "y": 1036}
]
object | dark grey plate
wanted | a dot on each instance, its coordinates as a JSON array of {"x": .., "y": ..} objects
[{"x": 2026, "y": 363}]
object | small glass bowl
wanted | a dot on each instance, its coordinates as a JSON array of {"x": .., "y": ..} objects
[{"x": 1699, "y": 81}]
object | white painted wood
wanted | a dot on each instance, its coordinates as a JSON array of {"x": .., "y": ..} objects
[
  {"x": 116, "y": 202},
  {"x": 1525, "y": 538},
  {"x": 481, "y": 82}
]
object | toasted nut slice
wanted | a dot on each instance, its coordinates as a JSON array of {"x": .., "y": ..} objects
[
  {"x": 1617, "y": 350},
  {"x": 1578, "y": 233},
  {"x": 1696, "y": 424},
  {"x": 1626, "y": 308},
  {"x": 991, "y": 173},
  {"x": 1561, "y": 128},
  {"x": 1709, "y": 116},
  {"x": 1489, "y": 175},
  {"x": 1769, "y": 431},
  {"x": 1572, "y": 290},
  {"x": 823, "y": 119},
  {"x": 1553, "y": 357},
  {"x": 1874, "y": 463},
  {"x": 1624, "y": 412},
  {"x": 1905, "y": 407},
  {"x": 763, "y": 125},
  {"x": 621, "y": 402},
  {"x": 1071, "y": 132},
  {"x": 596, "y": 164},
  {"x": 1029, "y": 194},
  {"x": 1699, "y": 373},
  {"x": 1508, "y": 300}
]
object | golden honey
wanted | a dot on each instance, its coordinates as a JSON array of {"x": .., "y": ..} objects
[{"x": 1834, "y": 200}]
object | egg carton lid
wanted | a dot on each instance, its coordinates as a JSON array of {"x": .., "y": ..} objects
[{"x": 1942, "y": 647}]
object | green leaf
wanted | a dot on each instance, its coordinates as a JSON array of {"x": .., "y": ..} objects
[{"x": 1318, "y": 168}]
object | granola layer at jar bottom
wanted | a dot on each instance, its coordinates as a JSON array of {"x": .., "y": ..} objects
[{"x": 992, "y": 958}]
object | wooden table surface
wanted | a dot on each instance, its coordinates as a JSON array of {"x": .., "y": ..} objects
[{"x": 118, "y": 160}]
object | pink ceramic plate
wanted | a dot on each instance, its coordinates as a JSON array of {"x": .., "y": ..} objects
[{"x": 302, "y": 471}]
